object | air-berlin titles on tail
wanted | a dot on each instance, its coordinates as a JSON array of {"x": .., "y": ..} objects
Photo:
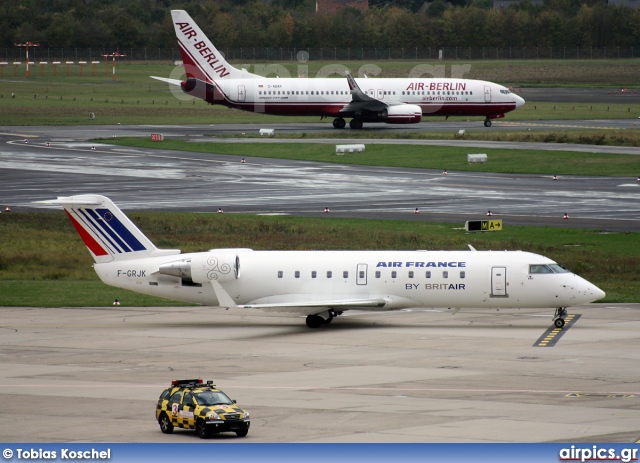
[{"x": 202, "y": 48}]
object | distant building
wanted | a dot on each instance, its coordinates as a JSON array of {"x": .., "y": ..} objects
[{"x": 330, "y": 6}]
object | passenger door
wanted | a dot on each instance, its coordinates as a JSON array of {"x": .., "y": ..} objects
[{"x": 499, "y": 282}]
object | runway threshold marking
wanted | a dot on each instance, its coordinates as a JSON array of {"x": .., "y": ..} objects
[{"x": 551, "y": 337}]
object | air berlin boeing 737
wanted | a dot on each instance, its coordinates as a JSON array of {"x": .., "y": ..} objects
[
  {"x": 394, "y": 101},
  {"x": 321, "y": 284}
]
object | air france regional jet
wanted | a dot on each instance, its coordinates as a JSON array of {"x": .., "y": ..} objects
[
  {"x": 394, "y": 101},
  {"x": 321, "y": 284}
]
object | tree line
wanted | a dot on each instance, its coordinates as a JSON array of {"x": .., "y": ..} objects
[{"x": 294, "y": 23}]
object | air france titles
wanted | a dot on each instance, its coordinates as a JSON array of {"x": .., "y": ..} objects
[
  {"x": 202, "y": 48},
  {"x": 429, "y": 286},
  {"x": 422, "y": 264}
]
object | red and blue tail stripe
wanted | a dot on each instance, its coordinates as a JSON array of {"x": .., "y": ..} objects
[{"x": 103, "y": 233}]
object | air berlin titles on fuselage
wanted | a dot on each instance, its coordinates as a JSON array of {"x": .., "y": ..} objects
[{"x": 437, "y": 86}]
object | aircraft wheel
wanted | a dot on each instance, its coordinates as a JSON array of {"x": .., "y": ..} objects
[
  {"x": 559, "y": 323},
  {"x": 339, "y": 123},
  {"x": 356, "y": 124},
  {"x": 314, "y": 321},
  {"x": 487, "y": 122}
]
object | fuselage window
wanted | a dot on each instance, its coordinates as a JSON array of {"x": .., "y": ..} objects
[
  {"x": 403, "y": 92},
  {"x": 313, "y": 274},
  {"x": 377, "y": 273},
  {"x": 329, "y": 274},
  {"x": 445, "y": 274},
  {"x": 297, "y": 274},
  {"x": 411, "y": 274},
  {"x": 361, "y": 274},
  {"x": 345, "y": 274},
  {"x": 279, "y": 273},
  {"x": 428, "y": 274},
  {"x": 393, "y": 274},
  {"x": 463, "y": 274}
]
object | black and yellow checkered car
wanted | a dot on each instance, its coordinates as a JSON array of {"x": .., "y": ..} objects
[{"x": 191, "y": 404}]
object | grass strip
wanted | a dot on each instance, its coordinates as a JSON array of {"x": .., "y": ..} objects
[
  {"x": 418, "y": 156},
  {"x": 57, "y": 272}
]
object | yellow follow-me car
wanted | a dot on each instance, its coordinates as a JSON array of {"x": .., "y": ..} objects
[{"x": 192, "y": 404}]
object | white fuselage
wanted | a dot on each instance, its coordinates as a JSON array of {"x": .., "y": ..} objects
[
  {"x": 328, "y": 97},
  {"x": 403, "y": 279}
]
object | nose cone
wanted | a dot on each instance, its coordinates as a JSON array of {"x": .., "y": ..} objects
[
  {"x": 519, "y": 100},
  {"x": 588, "y": 292}
]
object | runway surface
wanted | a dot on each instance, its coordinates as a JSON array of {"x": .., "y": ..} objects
[
  {"x": 138, "y": 179},
  {"x": 94, "y": 374}
]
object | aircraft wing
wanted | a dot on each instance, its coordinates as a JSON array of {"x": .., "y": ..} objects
[
  {"x": 361, "y": 101},
  {"x": 298, "y": 306}
]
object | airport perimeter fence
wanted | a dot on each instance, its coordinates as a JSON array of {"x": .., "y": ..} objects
[{"x": 261, "y": 54}]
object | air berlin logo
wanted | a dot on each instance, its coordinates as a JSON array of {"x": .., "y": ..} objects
[{"x": 204, "y": 50}]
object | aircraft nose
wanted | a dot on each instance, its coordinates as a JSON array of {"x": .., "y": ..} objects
[{"x": 519, "y": 100}]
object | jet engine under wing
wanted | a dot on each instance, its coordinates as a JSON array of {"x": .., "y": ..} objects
[{"x": 366, "y": 106}]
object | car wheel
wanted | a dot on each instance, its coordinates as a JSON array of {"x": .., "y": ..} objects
[
  {"x": 242, "y": 433},
  {"x": 165, "y": 424},
  {"x": 201, "y": 429}
]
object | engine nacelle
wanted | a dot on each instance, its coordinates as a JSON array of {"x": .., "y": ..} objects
[
  {"x": 201, "y": 89},
  {"x": 204, "y": 267},
  {"x": 402, "y": 114}
]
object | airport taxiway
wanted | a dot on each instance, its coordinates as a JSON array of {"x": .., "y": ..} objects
[
  {"x": 94, "y": 374},
  {"x": 138, "y": 178}
]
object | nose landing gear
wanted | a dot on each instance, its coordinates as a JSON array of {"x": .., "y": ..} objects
[{"x": 559, "y": 316}]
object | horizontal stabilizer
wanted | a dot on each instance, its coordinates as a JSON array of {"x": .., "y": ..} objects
[{"x": 170, "y": 81}]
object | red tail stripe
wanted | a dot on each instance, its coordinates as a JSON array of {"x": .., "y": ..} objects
[{"x": 91, "y": 243}]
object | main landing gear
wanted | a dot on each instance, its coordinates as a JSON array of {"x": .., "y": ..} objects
[
  {"x": 323, "y": 318},
  {"x": 339, "y": 123},
  {"x": 559, "y": 316},
  {"x": 355, "y": 123},
  {"x": 487, "y": 122}
]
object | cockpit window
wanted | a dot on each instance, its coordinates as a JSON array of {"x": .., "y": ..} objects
[
  {"x": 558, "y": 269},
  {"x": 540, "y": 269},
  {"x": 550, "y": 268},
  {"x": 505, "y": 91}
]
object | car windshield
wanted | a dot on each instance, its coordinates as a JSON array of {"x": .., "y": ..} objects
[{"x": 213, "y": 398}]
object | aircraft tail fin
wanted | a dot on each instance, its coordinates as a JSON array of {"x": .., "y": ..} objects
[
  {"x": 200, "y": 58},
  {"x": 106, "y": 230}
]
